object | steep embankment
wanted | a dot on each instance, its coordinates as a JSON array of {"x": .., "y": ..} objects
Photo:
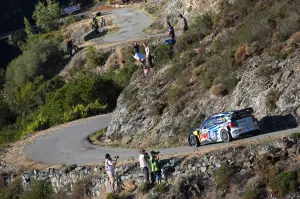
[{"x": 227, "y": 60}]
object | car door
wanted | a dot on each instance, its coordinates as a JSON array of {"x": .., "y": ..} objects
[{"x": 209, "y": 130}]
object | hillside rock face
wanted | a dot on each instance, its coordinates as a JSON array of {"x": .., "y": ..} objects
[{"x": 146, "y": 115}]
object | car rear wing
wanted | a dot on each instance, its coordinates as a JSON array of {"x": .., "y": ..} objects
[{"x": 239, "y": 113}]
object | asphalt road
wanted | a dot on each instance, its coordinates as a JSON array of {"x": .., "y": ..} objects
[
  {"x": 131, "y": 24},
  {"x": 69, "y": 145}
]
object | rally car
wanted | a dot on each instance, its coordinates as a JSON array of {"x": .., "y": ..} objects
[{"x": 223, "y": 127}]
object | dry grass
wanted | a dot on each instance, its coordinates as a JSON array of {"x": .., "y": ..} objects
[{"x": 241, "y": 54}]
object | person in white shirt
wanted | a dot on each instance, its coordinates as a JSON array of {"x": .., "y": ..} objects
[
  {"x": 144, "y": 164},
  {"x": 110, "y": 170},
  {"x": 148, "y": 56}
]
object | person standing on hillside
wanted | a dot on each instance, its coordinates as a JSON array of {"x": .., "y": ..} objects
[
  {"x": 70, "y": 47},
  {"x": 148, "y": 57},
  {"x": 110, "y": 170},
  {"x": 183, "y": 23},
  {"x": 171, "y": 31},
  {"x": 144, "y": 164},
  {"x": 155, "y": 170}
]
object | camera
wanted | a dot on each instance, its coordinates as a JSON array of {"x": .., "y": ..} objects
[{"x": 154, "y": 152}]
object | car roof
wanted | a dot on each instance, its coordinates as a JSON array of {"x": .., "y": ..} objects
[{"x": 228, "y": 113}]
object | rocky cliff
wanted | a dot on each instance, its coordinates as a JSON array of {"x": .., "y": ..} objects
[{"x": 160, "y": 110}]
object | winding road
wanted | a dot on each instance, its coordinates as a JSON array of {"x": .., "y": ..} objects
[{"x": 69, "y": 145}]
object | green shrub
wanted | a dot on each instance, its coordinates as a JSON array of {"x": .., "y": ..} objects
[
  {"x": 161, "y": 188},
  {"x": 69, "y": 20},
  {"x": 40, "y": 123},
  {"x": 40, "y": 58},
  {"x": 161, "y": 55},
  {"x": 82, "y": 188},
  {"x": 254, "y": 188},
  {"x": 47, "y": 14},
  {"x": 264, "y": 71},
  {"x": 38, "y": 189},
  {"x": 284, "y": 183},
  {"x": 173, "y": 94},
  {"x": 271, "y": 99},
  {"x": 222, "y": 177},
  {"x": 95, "y": 58},
  {"x": 13, "y": 190},
  {"x": 144, "y": 188}
]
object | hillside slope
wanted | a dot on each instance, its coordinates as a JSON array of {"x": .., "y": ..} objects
[{"x": 242, "y": 55}]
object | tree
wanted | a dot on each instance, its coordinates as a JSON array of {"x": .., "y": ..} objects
[
  {"x": 28, "y": 27},
  {"x": 46, "y": 15}
]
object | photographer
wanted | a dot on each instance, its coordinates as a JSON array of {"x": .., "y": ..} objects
[
  {"x": 155, "y": 170},
  {"x": 110, "y": 169},
  {"x": 144, "y": 163}
]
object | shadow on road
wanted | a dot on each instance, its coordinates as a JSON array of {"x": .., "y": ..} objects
[{"x": 275, "y": 123}]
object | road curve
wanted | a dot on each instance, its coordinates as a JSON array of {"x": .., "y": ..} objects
[{"x": 69, "y": 145}]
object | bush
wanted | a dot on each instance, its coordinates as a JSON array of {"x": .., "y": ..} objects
[
  {"x": 40, "y": 123},
  {"x": 241, "y": 54},
  {"x": 144, "y": 188},
  {"x": 264, "y": 71},
  {"x": 294, "y": 39},
  {"x": 284, "y": 183},
  {"x": 161, "y": 188},
  {"x": 254, "y": 188},
  {"x": 161, "y": 55},
  {"x": 40, "y": 58},
  {"x": 46, "y": 15},
  {"x": 69, "y": 20},
  {"x": 13, "y": 190},
  {"x": 38, "y": 189},
  {"x": 271, "y": 99},
  {"x": 173, "y": 94},
  {"x": 82, "y": 189},
  {"x": 222, "y": 177},
  {"x": 95, "y": 58}
]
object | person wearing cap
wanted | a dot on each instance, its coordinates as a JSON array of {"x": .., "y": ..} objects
[{"x": 144, "y": 164}]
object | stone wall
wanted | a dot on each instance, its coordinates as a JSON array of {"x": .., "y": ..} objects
[{"x": 246, "y": 160}]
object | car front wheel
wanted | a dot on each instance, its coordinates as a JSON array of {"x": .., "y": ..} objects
[
  {"x": 226, "y": 136},
  {"x": 194, "y": 141}
]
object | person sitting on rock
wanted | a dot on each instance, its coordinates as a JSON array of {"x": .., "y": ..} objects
[
  {"x": 140, "y": 58},
  {"x": 136, "y": 47}
]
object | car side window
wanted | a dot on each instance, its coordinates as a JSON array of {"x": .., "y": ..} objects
[{"x": 209, "y": 123}]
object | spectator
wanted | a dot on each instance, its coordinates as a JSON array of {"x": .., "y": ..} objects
[
  {"x": 156, "y": 172},
  {"x": 110, "y": 170},
  {"x": 148, "y": 57},
  {"x": 183, "y": 23},
  {"x": 144, "y": 164},
  {"x": 171, "y": 31},
  {"x": 103, "y": 22},
  {"x": 136, "y": 47},
  {"x": 70, "y": 47}
]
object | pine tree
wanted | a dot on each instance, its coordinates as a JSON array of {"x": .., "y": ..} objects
[{"x": 28, "y": 27}]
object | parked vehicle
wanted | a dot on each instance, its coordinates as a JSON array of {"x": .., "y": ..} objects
[{"x": 223, "y": 127}]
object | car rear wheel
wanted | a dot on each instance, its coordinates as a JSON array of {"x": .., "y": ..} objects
[
  {"x": 226, "y": 136},
  {"x": 194, "y": 141}
]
